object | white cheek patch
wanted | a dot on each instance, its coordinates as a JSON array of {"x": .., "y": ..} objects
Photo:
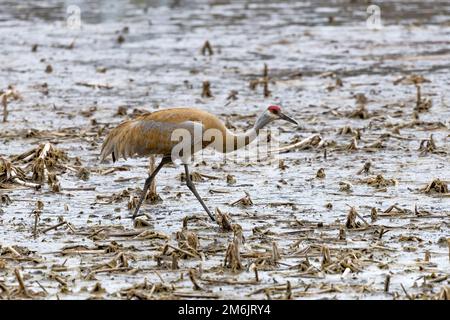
[{"x": 273, "y": 115}]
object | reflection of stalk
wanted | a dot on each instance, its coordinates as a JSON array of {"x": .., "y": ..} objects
[
  {"x": 152, "y": 168},
  {"x": 266, "y": 81},
  {"x": 40, "y": 171},
  {"x": 5, "y": 107},
  {"x": 448, "y": 243},
  {"x": 152, "y": 195},
  {"x": 419, "y": 98},
  {"x": 37, "y": 214}
]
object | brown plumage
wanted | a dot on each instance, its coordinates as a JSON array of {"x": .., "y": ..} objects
[{"x": 152, "y": 133}]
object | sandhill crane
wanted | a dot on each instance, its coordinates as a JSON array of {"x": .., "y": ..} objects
[{"x": 153, "y": 134}]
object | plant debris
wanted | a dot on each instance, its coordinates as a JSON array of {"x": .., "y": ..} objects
[
  {"x": 244, "y": 202},
  {"x": 207, "y": 49},
  {"x": 206, "y": 90}
]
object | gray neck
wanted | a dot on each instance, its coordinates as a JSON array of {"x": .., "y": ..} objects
[
  {"x": 261, "y": 122},
  {"x": 233, "y": 142}
]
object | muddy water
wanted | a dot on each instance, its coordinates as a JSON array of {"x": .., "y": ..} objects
[{"x": 159, "y": 65}]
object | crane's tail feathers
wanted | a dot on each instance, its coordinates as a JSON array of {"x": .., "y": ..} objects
[
  {"x": 120, "y": 142},
  {"x": 141, "y": 137}
]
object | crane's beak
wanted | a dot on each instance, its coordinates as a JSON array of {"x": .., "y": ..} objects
[{"x": 289, "y": 119}]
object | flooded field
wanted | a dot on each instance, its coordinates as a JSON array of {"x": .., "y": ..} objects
[{"x": 360, "y": 211}]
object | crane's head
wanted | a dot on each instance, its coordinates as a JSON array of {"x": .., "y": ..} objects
[{"x": 271, "y": 114}]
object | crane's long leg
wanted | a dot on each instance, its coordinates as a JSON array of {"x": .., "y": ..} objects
[
  {"x": 148, "y": 182},
  {"x": 191, "y": 187}
]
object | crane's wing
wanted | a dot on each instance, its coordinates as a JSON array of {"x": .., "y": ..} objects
[{"x": 143, "y": 137}]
